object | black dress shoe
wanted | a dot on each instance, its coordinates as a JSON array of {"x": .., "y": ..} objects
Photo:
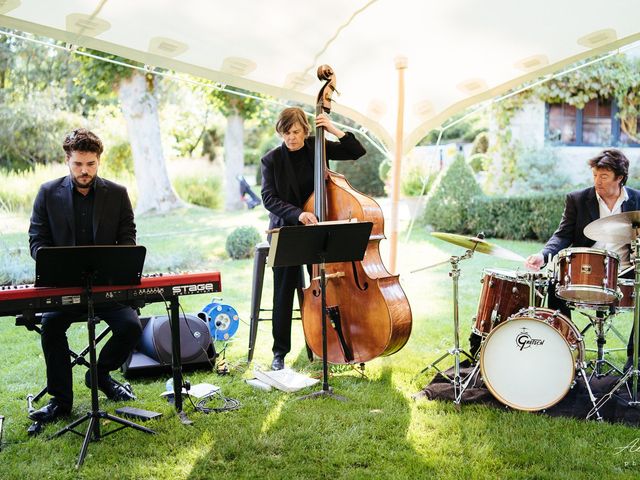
[
  {"x": 278, "y": 362},
  {"x": 50, "y": 412},
  {"x": 112, "y": 389}
]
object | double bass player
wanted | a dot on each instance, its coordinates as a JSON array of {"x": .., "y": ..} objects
[{"x": 287, "y": 182}]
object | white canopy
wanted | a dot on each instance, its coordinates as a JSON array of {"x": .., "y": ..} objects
[{"x": 457, "y": 52}]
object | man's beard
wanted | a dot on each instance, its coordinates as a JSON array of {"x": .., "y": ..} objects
[{"x": 87, "y": 185}]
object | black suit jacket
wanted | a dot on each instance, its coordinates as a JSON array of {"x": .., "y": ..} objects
[
  {"x": 278, "y": 193},
  {"x": 52, "y": 219},
  {"x": 581, "y": 208}
]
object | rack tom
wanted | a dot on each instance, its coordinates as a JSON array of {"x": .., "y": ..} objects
[
  {"x": 588, "y": 276},
  {"x": 504, "y": 292},
  {"x": 628, "y": 299}
]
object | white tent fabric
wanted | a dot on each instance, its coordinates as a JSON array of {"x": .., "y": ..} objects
[{"x": 458, "y": 52}]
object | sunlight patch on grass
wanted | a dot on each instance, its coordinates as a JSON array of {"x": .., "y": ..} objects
[{"x": 272, "y": 417}]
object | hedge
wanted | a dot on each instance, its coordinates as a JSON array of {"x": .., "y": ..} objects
[{"x": 531, "y": 217}]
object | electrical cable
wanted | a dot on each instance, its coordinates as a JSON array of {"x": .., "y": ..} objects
[{"x": 228, "y": 404}]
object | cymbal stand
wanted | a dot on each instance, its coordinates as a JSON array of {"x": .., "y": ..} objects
[
  {"x": 633, "y": 372},
  {"x": 459, "y": 384}
]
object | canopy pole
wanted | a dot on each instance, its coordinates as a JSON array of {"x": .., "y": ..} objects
[{"x": 401, "y": 65}]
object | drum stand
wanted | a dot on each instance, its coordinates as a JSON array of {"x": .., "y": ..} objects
[
  {"x": 459, "y": 384},
  {"x": 600, "y": 366},
  {"x": 633, "y": 371}
]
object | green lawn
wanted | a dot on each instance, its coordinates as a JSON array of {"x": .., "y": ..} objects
[{"x": 381, "y": 432}]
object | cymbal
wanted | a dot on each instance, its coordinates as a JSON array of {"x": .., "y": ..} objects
[
  {"x": 478, "y": 245},
  {"x": 614, "y": 229}
]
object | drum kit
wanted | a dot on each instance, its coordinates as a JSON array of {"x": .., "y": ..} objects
[{"x": 529, "y": 356}]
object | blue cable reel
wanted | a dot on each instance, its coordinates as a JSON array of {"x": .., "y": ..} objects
[{"x": 223, "y": 320}]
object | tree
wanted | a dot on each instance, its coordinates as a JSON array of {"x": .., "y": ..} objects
[
  {"x": 236, "y": 109},
  {"x": 139, "y": 105},
  {"x": 36, "y": 108}
]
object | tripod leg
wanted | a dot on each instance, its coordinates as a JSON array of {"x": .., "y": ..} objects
[
  {"x": 591, "y": 396},
  {"x": 72, "y": 425},
  {"x": 466, "y": 382},
  {"x": 87, "y": 439},
  {"x": 605, "y": 398},
  {"x": 434, "y": 364},
  {"x": 127, "y": 423}
]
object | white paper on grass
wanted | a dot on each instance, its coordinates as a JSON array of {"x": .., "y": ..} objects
[
  {"x": 255, "y": 383},
  {"x": 200, "y": 390},
  {"x": 286, "y": 379}
]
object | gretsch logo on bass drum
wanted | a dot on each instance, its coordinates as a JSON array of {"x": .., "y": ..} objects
[
  {"x": 193, "y": 289},
  {"x": 524, "y": 340}
]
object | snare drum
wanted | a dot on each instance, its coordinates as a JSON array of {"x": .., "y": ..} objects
[
  {"x": 628, "y": 300},
  {"x": 504, "y": 292},
  {"x": 587, "y": 275},
  {"x": 529, "y": 361}
]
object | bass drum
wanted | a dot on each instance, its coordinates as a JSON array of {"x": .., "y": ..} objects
[{"x": 529, "y": 361}]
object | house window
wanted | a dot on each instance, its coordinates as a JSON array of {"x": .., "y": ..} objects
[
  {"x": 595, "y": 124},
  {"x": 561, "y": 123}
]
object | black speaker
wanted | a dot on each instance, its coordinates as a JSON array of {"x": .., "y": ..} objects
[{"x": 152, "y": 355}]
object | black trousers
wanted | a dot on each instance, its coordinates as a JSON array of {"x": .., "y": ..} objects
[
  {"x": 125, "y": 333},
  {"x": 285, "y": 283}
]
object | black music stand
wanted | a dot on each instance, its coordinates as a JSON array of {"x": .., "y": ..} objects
[
  {"x": 87, "y": 267},
  {"x": 320, "y": 244}
]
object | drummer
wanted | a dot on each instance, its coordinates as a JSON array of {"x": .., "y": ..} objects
[{"x": 609, "y": 196}]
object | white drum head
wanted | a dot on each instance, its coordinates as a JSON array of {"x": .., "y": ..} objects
[{"x": 527, "y": 364}]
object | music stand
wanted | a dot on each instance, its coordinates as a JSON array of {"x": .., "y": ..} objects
[
  {"x": 322, "y": 243},
  {"x": 86, "y": 267}
]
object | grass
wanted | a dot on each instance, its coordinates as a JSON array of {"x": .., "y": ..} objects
[{"x": 381, "y": 432}]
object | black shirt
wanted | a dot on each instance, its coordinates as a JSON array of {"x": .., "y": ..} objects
[
  {"x": 303, "y": 170},
  {"x": 83, "y": 215}
]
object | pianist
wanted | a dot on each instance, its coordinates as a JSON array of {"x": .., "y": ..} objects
[{"x": 83, "y": 209}]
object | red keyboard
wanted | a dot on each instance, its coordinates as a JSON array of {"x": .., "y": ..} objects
[{"x": 20, "y": 299}]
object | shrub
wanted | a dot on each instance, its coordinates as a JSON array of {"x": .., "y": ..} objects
[
  {"x": 536, "y": 170},
  {"x": 384, "y": 170},
  {"x": 16, "y": 266},
  {"x": 31, "y": 132},
  {"x": 211, "y": 140},
  {"x": 451, "y": 197},
  {"x": 241, "y": 242},
  {"x": 363, "y": 173},
  {"x": 203, "y": 191},
  {"x": 480, "y": 143},
  {"x": 117, "y": 159},
  {"x": 19, "y": 188},
  {"x": 479, "y": 162},
  {"x": 414, "y": 181},
  {"x": 533, "y": 217}
]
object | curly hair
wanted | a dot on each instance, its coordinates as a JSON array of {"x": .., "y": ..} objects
[
  {"x": 82, "y": 140},
  {"x": 614, "y": 160}
]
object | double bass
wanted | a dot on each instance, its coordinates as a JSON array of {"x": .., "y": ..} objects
[{"x": 368, "y": 314}]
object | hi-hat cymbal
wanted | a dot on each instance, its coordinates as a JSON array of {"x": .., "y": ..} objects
[
  {"x": 478, "y": 245},
  {"x": 614, "y": 229}
]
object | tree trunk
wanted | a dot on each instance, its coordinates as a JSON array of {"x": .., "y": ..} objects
[
  {"x": 233, "y": 161},
  {"x": 140, "y": 109}
]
